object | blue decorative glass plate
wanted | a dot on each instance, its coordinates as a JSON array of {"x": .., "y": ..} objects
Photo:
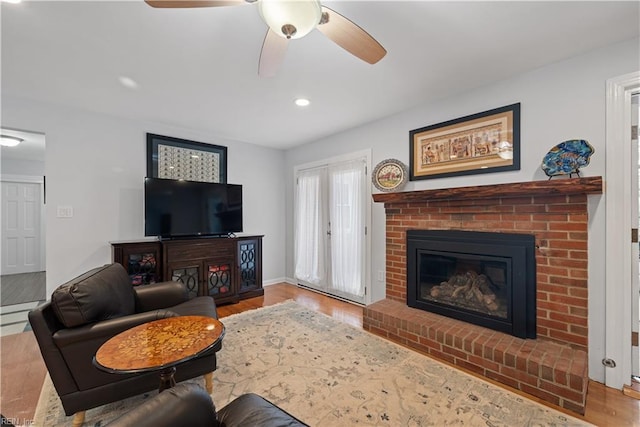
[{"x": 567, "y": 158}]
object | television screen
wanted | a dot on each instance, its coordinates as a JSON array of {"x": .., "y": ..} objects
[{"x": 175, "y": 208}]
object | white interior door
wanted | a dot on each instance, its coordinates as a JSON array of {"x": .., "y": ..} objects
[
  {"x": 21, "y": 227},
  {"x": 330, "y": 228}
]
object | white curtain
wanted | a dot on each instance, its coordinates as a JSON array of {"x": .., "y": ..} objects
[
  {"x": 310, "y": 226},
  {"x": 347, "y": 226}
]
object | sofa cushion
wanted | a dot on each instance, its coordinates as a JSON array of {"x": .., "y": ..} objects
[{"x": 99, "y": 294}]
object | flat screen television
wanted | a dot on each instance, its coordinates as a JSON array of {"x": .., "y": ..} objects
[{"x": 174, "y": 208}]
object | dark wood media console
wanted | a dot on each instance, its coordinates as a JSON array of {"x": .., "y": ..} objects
[{"x": 228, "y": 269}]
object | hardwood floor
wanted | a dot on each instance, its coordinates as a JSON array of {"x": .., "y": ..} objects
[
  {"x": 22, "y": 369},
  {"x": 22, "y": 373}
]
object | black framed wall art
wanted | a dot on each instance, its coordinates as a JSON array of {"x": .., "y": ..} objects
[
  {"x": 175, "y": 158},
  {"x": 484, "y": 142}
]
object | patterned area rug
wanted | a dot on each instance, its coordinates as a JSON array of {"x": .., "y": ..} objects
[{"x": 329, "y": 373}]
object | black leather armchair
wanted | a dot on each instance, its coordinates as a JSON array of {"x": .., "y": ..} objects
[
  {"x": 188, "y": 404},
  {"x": 90, "y": 309}
]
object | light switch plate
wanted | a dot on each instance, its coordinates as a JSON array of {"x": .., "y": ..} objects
[{"x": 65, "y": 212}]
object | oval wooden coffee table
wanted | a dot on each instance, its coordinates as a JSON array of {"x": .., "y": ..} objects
[{"x": 159, "y": 345}]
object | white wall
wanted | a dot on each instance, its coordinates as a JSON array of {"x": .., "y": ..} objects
[
  {"x": 21, "y": 167},
  {"x": 97, "y": 164},
  {"x": 561, "y": 101}
]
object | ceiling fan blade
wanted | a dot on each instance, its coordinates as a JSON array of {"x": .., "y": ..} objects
[
  {"x": 350, "y": 36},
  {"x": 273, "y": 49},
  {"x": 193, "y": 3}
]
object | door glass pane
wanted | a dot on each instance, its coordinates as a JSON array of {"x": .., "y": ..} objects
[
  {"x": 347, "y": 226},
  {"x": 310, "y": 226}
]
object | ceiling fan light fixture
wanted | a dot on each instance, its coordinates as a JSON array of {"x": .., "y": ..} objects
[
  {"x": 291, "y": 19},
  {"x": 10, "y": 141}
]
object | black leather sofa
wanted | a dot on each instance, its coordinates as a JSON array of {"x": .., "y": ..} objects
[
  {"x": 188, "y": 404},
  {"x": 90, "y": 309}
]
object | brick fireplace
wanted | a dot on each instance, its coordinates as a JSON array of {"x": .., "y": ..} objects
[{"x": 552, "y": 367}]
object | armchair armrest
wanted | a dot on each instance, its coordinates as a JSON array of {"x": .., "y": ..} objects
[
  {"x": 159, "y": 295},
  {"x": 92, "y": 336},
  {"x": 185, "y": 404}
]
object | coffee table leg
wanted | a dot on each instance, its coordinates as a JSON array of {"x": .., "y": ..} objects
[{"x": 166, "y": 378}]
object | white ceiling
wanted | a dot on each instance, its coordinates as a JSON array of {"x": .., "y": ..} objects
[{"x": 197, "y": 68}]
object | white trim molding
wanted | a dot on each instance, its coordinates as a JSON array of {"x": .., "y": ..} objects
[
  {"x": 618, "y": 192},
  {"x": 22, "y": 178},
  {"x": 274, "y": 281}
]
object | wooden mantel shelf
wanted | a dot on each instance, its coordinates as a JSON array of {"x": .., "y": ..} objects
[{"x": 589, "y": 185}]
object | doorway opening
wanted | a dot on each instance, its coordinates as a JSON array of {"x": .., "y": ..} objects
[
  {"x": 22, "y": 249},
  {"x": 621, "y": 243}
]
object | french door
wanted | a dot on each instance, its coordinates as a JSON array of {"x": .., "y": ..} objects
[{"x": 330, "y": 228}]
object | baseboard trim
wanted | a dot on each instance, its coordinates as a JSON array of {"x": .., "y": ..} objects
[
  {"x": 631, "y": 392},
  {"x": 275, "y": 281}
]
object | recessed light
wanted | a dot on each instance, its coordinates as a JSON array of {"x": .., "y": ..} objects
[
  {"x": 302, "y": 102},
  {"x": 12, "y": 1},
  {"x": 128, "y": 82}
]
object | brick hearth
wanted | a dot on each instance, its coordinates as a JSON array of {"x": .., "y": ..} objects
[{"x": 554, "y": 366}]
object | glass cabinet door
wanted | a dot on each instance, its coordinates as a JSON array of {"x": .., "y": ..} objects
[
  {"x": 247, "y": 263},
  {"x": 142, "y": 268},
  {"x": 190, "y": 277},
  {"x": 219, "y": 280},
  {"x": 141, "y": 260}
]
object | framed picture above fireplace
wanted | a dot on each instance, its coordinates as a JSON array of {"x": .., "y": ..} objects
[{"x": 480, "y": 143}]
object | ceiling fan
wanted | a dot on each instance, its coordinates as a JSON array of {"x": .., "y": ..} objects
[{"x": 293, "y": 19}]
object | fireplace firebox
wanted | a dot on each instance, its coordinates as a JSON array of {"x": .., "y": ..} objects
[{"x": 488, "y": 279}]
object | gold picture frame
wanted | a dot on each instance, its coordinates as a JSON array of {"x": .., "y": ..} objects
[{"x": 480, "y": 143}]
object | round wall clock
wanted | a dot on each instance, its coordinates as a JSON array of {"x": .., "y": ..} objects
[{"x": 389, "y": 175}]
